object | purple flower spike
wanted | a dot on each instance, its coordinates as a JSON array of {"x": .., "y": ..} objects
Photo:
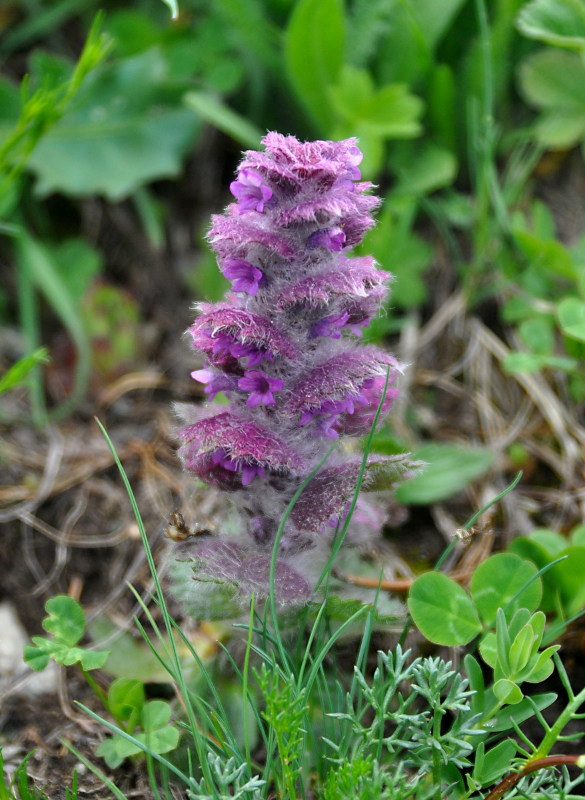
[
  {"x": 331, "y": 239},
  {"x": 250, "y": 192},
  {"x": 260, "y": 386},
  {"x": 245, "y": 276},
  {"x": 284, "y": 346}
]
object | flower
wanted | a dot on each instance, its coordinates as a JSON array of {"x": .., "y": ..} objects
[
  {"x": 300, "y": 207},
  {"x": 332, "y": 239},
  {"x": 245, "y": 276},
  {"x": 260, "y": 386},
  {"x": 251, "y": 193}
]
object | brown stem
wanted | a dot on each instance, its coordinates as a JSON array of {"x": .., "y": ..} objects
[
  {"x": 394, "y": 584},
  {"x": 532, "y": 766}
]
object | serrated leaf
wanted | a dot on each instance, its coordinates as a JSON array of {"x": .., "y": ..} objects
[
  {"x": 448, "y": 470},
  {"x": 313, "y": 51},
  {"x": 556, "y": 22},
  {"x": 65, "y": 620},
  {"x": 507, "y": 691},
  {"x": 571, "y": 315},
  {"x": 442, "y": 610},
  {"x": 123, "y": 129},
  {"x": 498, "y": 579}
]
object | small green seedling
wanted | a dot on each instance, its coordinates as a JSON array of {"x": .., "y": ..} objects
[
  {"x": 66, "y": 623},
  {"x": 17, "y": 374},
  {"x": 126, "y": 703},
  {"x": 514, "y": 655}
]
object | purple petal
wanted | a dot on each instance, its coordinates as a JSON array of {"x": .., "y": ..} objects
[
  {"x": 250, "y": 192},
  {"x": 331, "y": 239},
  {"x": 245, "y": 276}
]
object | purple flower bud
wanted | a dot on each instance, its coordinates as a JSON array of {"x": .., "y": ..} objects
[
  {"x": 250, "y": 192},
  {"x": 260, "y": 386},
  {"x": 245, "y": 276},
  {"x": 331, "y": 239},
  {"x": 300, "y": 209}
]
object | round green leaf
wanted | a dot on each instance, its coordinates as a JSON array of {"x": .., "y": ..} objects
[
  {"x": 571, "y": 313},
  {"x": 155, "y": 714},
  {"x": 442, "y": 610},
  {"x": 498, "y": 580},
  {"x": 36, "y": 658},
  {"x": 66, "y": 620}
]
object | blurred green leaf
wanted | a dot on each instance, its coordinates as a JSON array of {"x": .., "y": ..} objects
[
  {"x": 123, "y": 129},
  {"x": 557, "y": 22},
  {"x": 126, "y": 701},
  {"x": 442, "y": 610},
  {"x": 552, "y": 80},
  {"x": 16, "y": 374},
  {"x": 532, "y": 362},
  {"x": 313, "y": 50},
  {"x": 224, "y": 119},
  {"x": 449, "y": 469},
  {"x": 571, "y": 315},
  {"x": 426, "y": 169},
  {"x": 76, "y": 263}
]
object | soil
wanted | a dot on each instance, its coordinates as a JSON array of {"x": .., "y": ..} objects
[{"x": 68, "y": 525}]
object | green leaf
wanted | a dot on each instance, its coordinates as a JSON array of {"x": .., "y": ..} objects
[
  {"x": 449, "y": 469},
  {"x": 494, "y": 763},
  {"x": 552, "y": 80},
  {"x": 498, "y": 579},
  {"x": 76, "y": 263},
  {"x": 108, "y": 751},
  {"x": 488, "y": 649},
  {"x": 531, "y": 363},
  {"x": 521, "y": 649},
  {"x": 16, "y": 374},
  {"x": 571, "y": 315},
  {"x": 126, "y": 701},
  {"x": 507, "y": 691},
  {"x": 218, "y": 114},
  {"x": 313, "y": 51},
  {"x": 432, "y": 168},
  {"x": 36, "y": 657},
  {"x": 543, "y": 667},
  {"x": 537, "y": 333},
  {"x": 123, "y": 129},
  {"x": 502, "y": 721},
  {"x": 556, "y": 22},
  {"x": 65, "y": 620},
  {"x": 476, "y": 683},
  {"x": 156, "y": 714},
  {"x": 577, "y": 535},
  {"x": 567, "y": 577},
  {"x": 552, "y": 541},
  {"x": 442, "y": 610},
  {"x": 435, "y": 18}
]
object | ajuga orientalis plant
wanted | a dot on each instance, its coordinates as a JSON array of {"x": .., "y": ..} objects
[{"x": 284, "y": 347}]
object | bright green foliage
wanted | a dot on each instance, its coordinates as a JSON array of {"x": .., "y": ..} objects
[
  {"x": 445, "y": 613},
  {"x": 66, "y": 623},
  {"x": 285, "y": 712},
  {"x": 563, "y": 587},
  {"x": 448, "y": 470},
  {"x": 556, "y": 22},
  {"x": 442, "y": 610},
  {"x": 126, "y": 703},
  {"x": 513, "y": 653},
  {"x": 314, "y": 45},
  {"x": 22, "y": 788},
  {"x": 17, "y": 373}
]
